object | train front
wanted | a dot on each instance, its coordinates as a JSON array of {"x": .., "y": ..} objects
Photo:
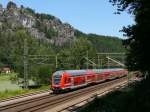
[{"x": 56, "y": 81}]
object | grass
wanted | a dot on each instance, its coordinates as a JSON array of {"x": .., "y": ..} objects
[
  {"x": 7, "y": 89},
  {"x": 7, "y": 77},
  {"x": 4, "y": 77},
  {"x": 9, "y": 93},
  {"x": 6, "y": 84}
]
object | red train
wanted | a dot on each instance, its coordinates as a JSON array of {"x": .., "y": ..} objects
[{"x": 70, "y": 79}]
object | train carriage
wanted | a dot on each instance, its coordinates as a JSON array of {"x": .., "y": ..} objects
[{"x": 69, "y": 79}]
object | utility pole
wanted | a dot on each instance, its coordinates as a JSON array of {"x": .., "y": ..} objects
[
  {"x": 123, "y": 59},
  {"x": 99, "y": 66},
  {"x": 101, "y": 63},
  {"x": 94, "y": 64},
  {"x": 56, "y": 60},
  {"x": 87, "y": 64},
  {"x": 25, "y": 64},
  {"x": 108, "y": 62}
]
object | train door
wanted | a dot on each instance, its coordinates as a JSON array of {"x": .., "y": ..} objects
[
  {"x": 90, "y": 78},
  {"x": 105, "y": 76},
  {"x": 79, "y": 80},
  {"x": 67, "y": 81},
  {"x": 100, "y": 77}
]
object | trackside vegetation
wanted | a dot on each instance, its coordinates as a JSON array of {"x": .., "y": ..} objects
[{"x": 134, "y": 98}]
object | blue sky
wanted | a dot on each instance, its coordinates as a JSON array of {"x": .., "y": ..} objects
[{"x": 89, "y": 16}]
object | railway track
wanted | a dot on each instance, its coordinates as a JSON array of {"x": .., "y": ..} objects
[
  {"x": 75, "y": 107},
  {"x": 49, "y": 101},
  {"x": 24, "y": 95}
]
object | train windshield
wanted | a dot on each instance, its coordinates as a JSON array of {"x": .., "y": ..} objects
[{"x": 57, "y": 77}]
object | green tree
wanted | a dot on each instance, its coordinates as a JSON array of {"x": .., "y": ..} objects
[
  {"x": 42, "y": 66},
  {"x": 79, "y": 52},
  {"x": 11, "y": 5},
  {"x": 42, "y": 74},
  {"x": 74, "y": 57},
  {"x": 65, "y": 59},
  {"x": 138, "y": 42}
]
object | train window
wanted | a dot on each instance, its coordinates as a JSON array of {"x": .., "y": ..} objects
[
  {"x": 56, "y": 81},
  {"x": 57, "y": 77}
]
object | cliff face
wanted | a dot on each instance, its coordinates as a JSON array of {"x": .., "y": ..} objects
[{"x": 42, "y": 26}]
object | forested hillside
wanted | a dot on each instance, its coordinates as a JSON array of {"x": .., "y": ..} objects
[{"x": 22, "y": 30}]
